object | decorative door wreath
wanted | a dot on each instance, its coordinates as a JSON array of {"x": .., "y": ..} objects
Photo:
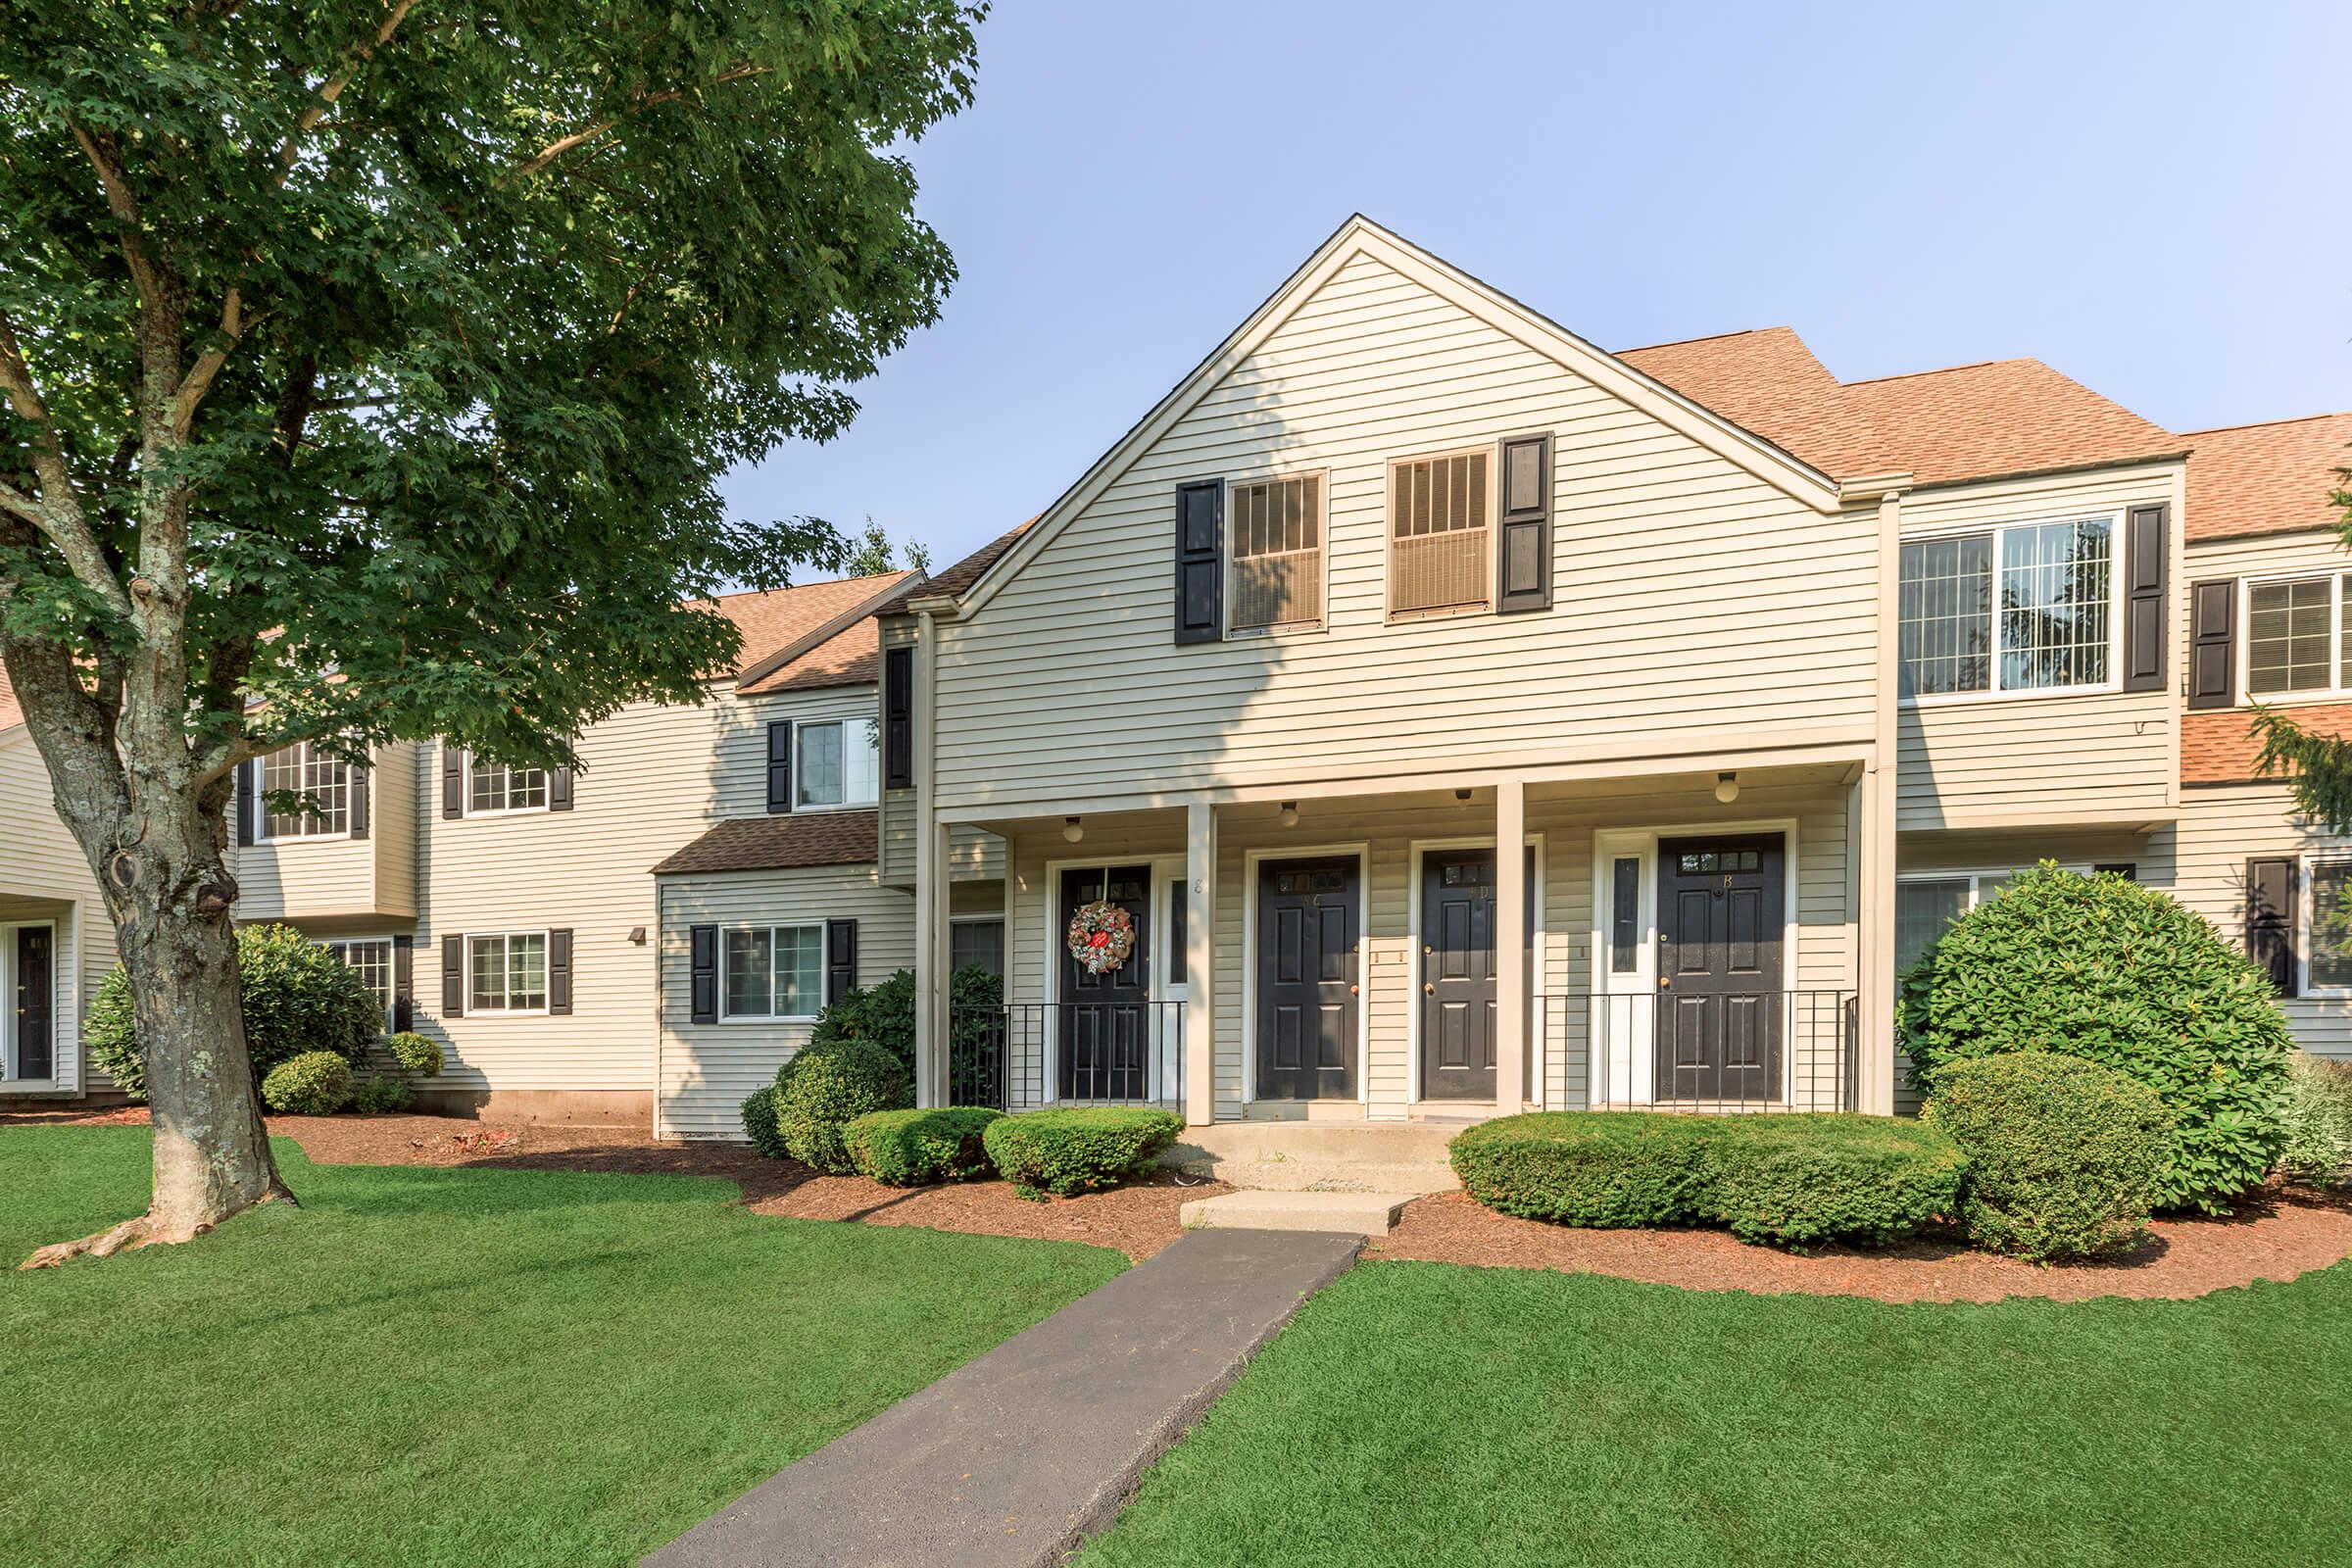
[{"x": 1100, "y": 936}]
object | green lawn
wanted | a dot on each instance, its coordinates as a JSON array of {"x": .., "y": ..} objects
[
  {"x": 1423, "y": 1414},
  {"x": 465, "y": 1367}
]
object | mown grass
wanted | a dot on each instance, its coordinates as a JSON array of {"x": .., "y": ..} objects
[
  {"x": 427, "y": 1366},
  {"x": 1424, "y": 1414}
]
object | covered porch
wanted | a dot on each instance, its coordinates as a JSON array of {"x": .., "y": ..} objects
[{"x": 1699, "y": 940}]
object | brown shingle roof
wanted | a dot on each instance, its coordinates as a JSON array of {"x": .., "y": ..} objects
[
  {"x": 2217, "y": 747},
  {"x": 1768, "y": 383},
  {"x": 779, "y": 844},
  {"x": 2267, "y": 478},
  {"x": 2009, "y": 416},
  {"x": 958, "y": 580},
  {"x": 773, "y": 620},
  {"x": 851, "y": 656}
]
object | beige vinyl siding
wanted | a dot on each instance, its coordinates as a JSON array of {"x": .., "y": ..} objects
[
  {"x": 337, "y": 877},
  {"x": 707, "y": 1069},
  {"x": 2030, "y": 758},
  {"x": 2316, "y": 553},
  {"x": 1697, "y": 607},
  {"x": 742, "y": 738},
  {"x": 1389, "y": 826},
  {"x": 2221, "y": 827},
  {"x": 392, "y": 824},
  {"x": 43, "y": 876}
]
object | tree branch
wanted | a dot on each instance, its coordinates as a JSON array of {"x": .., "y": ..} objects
[
  {"x": 332, "y": 88},
  {"x": 597, "y": 127},
  {"x": 58, "y": 515},
  {"x": 126, "y": 208}
]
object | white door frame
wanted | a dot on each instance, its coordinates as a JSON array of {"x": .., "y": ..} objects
[
  {"x": 9, "y": 1043},
  {"x": 1361, "y": 850},
  {"x": 1534, "y": 1090}
]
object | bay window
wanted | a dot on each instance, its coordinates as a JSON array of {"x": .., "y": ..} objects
[{"x": 2022, "y": 608}]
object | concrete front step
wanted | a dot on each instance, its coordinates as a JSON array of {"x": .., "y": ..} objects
[
  {"x": 1361, "y": 1156},
  {"x": 1328, "y": 1176},
  {"x": 1349, "y": 1214}
]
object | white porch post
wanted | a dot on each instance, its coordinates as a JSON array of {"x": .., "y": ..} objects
[
  {"x": 931, "y": 901},
  {"x": 1200, "y": 964},
  {"x": 1510, "y": 945},
  {"x": 1874, "y": 1071}
]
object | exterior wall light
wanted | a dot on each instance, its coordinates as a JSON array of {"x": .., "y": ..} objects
[
  {"x": 1070, "y": 829},
  {"x": 1726, "y": 787},
  {"x": 1290, "y": 814}
]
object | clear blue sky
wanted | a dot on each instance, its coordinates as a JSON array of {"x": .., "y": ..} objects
[{"x": 2152, "y": 198}]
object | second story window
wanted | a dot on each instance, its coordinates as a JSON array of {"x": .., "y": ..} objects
[
  {"x": 1277, "y": 573},
  {"x": 2294, "y": 636},
  {"x": 495, "y": 786},
  {"x": 839, "y": 763},
  {"x": 1440, "y": 549},
  {"x": 302, "y": 770},
  {"x": 2025, "y": 609}
]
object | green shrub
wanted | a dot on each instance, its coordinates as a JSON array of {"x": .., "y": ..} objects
[
  {"x": 760, "y": 1123},
  {"x": 2062, "y": 1154},
  {"x": 1790, "y": 1179},
  {"x": 1602, "y": 1169},
  {"x": 826, "y": 1087},
  {"x": 920, "y": 1147},
  {"x": 317, "y": 1083},
  {"x": 296, "y": 997},
  {"x": 2319, "y": 1121},
  {"x": 1803, "y": 1179},
  {"x": 2120, "y": 974},
  {"x": 414, "y": 1052},
  {"x": 884, "y": 1014},
  {"x": 1079, "y": 1150},
  {"x": 381, "y": 1092}
]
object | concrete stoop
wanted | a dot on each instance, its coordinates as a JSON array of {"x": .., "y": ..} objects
[
  {"x": 1306, "y": 1156},
  {"x": 1348, "y": 1213}
]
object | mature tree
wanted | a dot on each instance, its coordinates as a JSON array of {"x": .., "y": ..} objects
[
  {"x": 871, "y": 553},
  {"x": 367, "y": 368},
  {"x": 2319, "y": 766}
]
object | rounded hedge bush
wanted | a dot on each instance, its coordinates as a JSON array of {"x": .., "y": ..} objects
[
  {"x": 317, "y": 1083},
  {"x": 379, "y": 1093},
  {"x": 920, "y": 1147},
  {"x": 760, "y": 1128},
  {"x": 2319, "y": 1121},
  {"x": 414, "y": 1052},
  {"x": 2063, "y": 1154},
  {"x": 826, "y": 1087},
  {"x": 1790, "y": 1179},
  {"x": 296, "y": 996},
  {"x": 2120, "y": 974},
  {"x": 1080, "y": 1149}
]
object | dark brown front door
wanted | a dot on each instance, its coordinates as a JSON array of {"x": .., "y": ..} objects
[
  {"x": 34, "y": 1002},
  {"x": 1105, "y": 1028},
  {"x": 1309, "y": 916},
  {"x": 1457, "y": 972},
  {"x": 1719, "y": 927}
]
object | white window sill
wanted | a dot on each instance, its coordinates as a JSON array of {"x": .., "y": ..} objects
[
  {"x": 755, "y": 1018},
  {"x": 507, "y": 1013},
  {"x": 504, "y": 811},
  {"x": 1276, "y": 634},
  {"x": 332, "y": 836},
  {"x": 2018, "y": 695},
  {"x": 821, "y": 810}
]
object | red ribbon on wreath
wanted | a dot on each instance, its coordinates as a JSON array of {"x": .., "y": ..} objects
[{"x": 1101, "y": 937}]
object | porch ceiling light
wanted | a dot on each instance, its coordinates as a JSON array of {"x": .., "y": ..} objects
[
  {"x": 1726, "y": 787},
  {"x": 1071, "y": 830},
  {"x": 1290, "y": 814}
]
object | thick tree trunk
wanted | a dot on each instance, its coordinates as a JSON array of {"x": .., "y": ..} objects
[{"x": 169, "y": 903}]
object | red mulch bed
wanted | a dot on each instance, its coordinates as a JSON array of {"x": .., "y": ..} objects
[{"x": 2281, "y": 1234}]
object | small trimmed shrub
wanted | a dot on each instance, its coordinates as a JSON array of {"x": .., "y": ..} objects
[
  {"x": 1789, "y": 1178},
  {"x": 2064, "y": 1155},
  {"x": 296, "y": 996},
  {"x": 920, "y": 1147},
  {"x": 414, "y": 1052},
  {"x": 2319, "y": 1121},
  {"x": 760, "y": 1123},
  {"x": 1080, "y": 1149},
  {"x": 379, "y": 1093},
  {"x": 826, "y": 1087},
  {"x": 2120, "y": 974},
  {"x": 884, "y": 1014},
  {"x": 317, "y": 1083}
]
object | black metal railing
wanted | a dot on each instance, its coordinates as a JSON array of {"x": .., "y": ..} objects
[
  {"x": 1023, "y": 1055},
  {"x": 1698, "y": 1052}
]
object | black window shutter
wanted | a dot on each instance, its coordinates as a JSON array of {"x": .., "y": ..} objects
[
  {"x": 558, "y": 972},
  {"x": 841, "y": 960},
  {"x": 359, "y": 777},
  {"x": 2213, "y": 643},
  {"x": 2148, "y": 553},
  {"x": 701, "y": 943},
  {"x": 779, "y": 766},
  {"x": 403, "y": 984},
  {"x": 1200, "y": 562},
  {"x": 1523, "y": 558},
  {"x": 249, "y": 798},
  {"x": 898, "y": 718},
  {"x": 453, "y": 976},
  {"x": 453, "y": 781},
  {"x": 2270, "y": 908},
  {"x": 559, "y": 789}
]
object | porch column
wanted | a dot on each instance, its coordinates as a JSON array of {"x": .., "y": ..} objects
[
  {"x": 1874, "y": 1045},
  {"x": 931, "y": 951},
  {"x": 1510, "y": 946},
  {"x": 1200, "y": 964}
]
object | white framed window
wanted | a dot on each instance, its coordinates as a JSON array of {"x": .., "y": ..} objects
[
  {"x": 1926, "y": 902},
  {"x": 1275, "y": 572},
  {"x": 507, "y": 973},
  {"x": 1442, "y": 534},
  {"x": 492, "y": 788},
  {"x": 773, "y": 973},
  {"x": 977, "y": 940},
  {"x": 2027, "y": 608},
  {"x": 836, "y": 762},
  {"x": 302, "y": 769},
  {"x": 371, "y": 959},
  {"x": 2327, "y": 922},
  {"x": 2293, "y": 636}
]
